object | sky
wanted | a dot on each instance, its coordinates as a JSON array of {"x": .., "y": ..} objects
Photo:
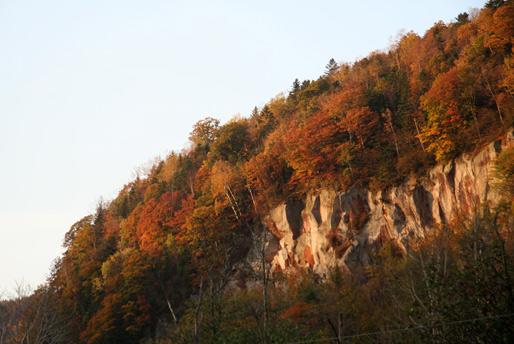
[{"x": 90, "y": 91}]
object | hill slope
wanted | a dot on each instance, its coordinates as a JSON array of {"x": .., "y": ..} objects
[
  {"x": 328, "y": 228},
  {"x": 357, "y": 179}
]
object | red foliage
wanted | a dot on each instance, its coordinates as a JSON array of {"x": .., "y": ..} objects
[
  {"x": 313, "y": 150},
  {"x": 295, "y": 312}
]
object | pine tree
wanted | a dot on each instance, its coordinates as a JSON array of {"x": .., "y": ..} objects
[
  {"x": 331, "y": 67},
  {"x": 295, "y": 89}
]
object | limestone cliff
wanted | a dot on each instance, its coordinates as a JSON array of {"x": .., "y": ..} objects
[{"x": 329, "y": 228}]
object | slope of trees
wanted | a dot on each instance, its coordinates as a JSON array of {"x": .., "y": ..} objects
[{"x": 161, "y": 262}]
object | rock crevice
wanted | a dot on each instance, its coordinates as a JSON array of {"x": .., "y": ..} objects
[{"x": 330, "y": 228}]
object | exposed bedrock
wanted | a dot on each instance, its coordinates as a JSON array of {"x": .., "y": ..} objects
[{"x": 331, "y": 228}]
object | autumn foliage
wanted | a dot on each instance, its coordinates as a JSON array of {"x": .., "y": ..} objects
[{"x": 154, "y": 263}]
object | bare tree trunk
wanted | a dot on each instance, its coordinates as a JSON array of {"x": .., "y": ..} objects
[
  {"x": 340, "y": 328},
  {"x": 504, "y": 257},
  {"x": 388, "y": 115},
  {"x": 395, "y": 140},
  {"x": 417, "y": 130},
  {"x": 265, "y": 279},
  {"x": 32, "y": 317},
  {"x": 495, "y": 97},
  {"x": 198, "y": 319},
  {"x": 174, "y": 316},
  {"x": 232, "y": 201},
  {"x": 213, "y": 307}
]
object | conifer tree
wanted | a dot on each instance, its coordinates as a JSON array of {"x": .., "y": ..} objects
[
  {"x": 295, "y": 89},
  {"x": 331, "y": 67}
]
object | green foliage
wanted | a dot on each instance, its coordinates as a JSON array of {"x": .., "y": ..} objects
[
  {"x": 494, "y": 4},
  {"x": 504, "y": 172},
  {"x": 462, "y": 18},
  {"x": 307, "y": 98},
  {"x": 331, "y": 67},
  {"x": 232, "y": 142},
  {"x": 294, "y": 90}
]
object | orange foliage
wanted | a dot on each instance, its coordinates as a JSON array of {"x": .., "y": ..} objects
[
  {"x": 502, "y": 28},
  {"x": 351, "y": 96},
  {"x": 265, "y": 176},
  {"x": 448, "y": 111},
  {"x": 313, "y": 150},
  {"x": 155, "y": 223},
  {"x": 361, "y": 122},
  {"x": 296, "y": 311},
  {"x": 445, "y": 88}
]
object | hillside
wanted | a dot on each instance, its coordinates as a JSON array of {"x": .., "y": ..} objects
[
  {"x": 329, "y": 229},
  {"x": 376, "y": 198}
]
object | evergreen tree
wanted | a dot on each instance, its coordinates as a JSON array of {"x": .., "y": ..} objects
[
  {"x": 295, "y": 89},
  {"x": 462, "y": 18},
  {"x": 255, "y": 113},
  {"x": 305, "y": 84},
  {"x": 494, "y": 4},
  {"x": 331, "y": 67}
]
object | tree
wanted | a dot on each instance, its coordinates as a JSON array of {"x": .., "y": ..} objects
[
  {"x": 232, "y": 142},
  {"x": 504, "y": 172},
  {"x": 361, "y": 123},
  {"x": 307, "y": 98},
  {"x": 305, "y": 84},
  {"x": 154, "y": 226},
  {"x": 32, "y": 317},
  {"x": 494, "y": 4},
  {"x": 352, "y": 95},
  {"x": 387, "y": 115},
  {"x": 294, "y": 90},
  {"x": 156, "y": 261},
  {"x": 169, "y": 168},
  {"x": 331, "y": 67},
  {"x": 449, "y": 106},
  {"x": 264, "y": 123},
  {"x": 502, "y": 35},
  {"x": 266, "y": 175},
  {"x": 462, "y": 18},
  {"x": 312, "y": 151},
  {"x": 204, "y": 131}
]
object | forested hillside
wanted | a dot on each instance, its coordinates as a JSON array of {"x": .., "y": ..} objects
[{"x": 178, "y": 256}]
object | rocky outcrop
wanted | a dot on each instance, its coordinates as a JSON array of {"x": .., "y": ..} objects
[{"x": 331, "y": 228}]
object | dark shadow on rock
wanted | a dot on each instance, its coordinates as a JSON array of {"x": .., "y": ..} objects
[
  {"x": 423, "y": 202},
  {"x": 316, "y": 210},
  {"x": 294, "y": 216}
]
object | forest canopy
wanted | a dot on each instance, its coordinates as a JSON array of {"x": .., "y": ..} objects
[{"x": 153, "y": 265}]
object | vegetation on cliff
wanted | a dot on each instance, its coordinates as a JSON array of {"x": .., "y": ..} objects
[{"x": 159, "y": 264}]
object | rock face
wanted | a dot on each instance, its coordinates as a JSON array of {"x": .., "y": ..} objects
[{"x": 329, "y": 228}]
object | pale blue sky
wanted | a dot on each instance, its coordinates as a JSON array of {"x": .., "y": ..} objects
[{"x": 89, "y": 90}]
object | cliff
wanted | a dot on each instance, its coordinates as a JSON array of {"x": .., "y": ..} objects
[{"x": 329, "y": 228}]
